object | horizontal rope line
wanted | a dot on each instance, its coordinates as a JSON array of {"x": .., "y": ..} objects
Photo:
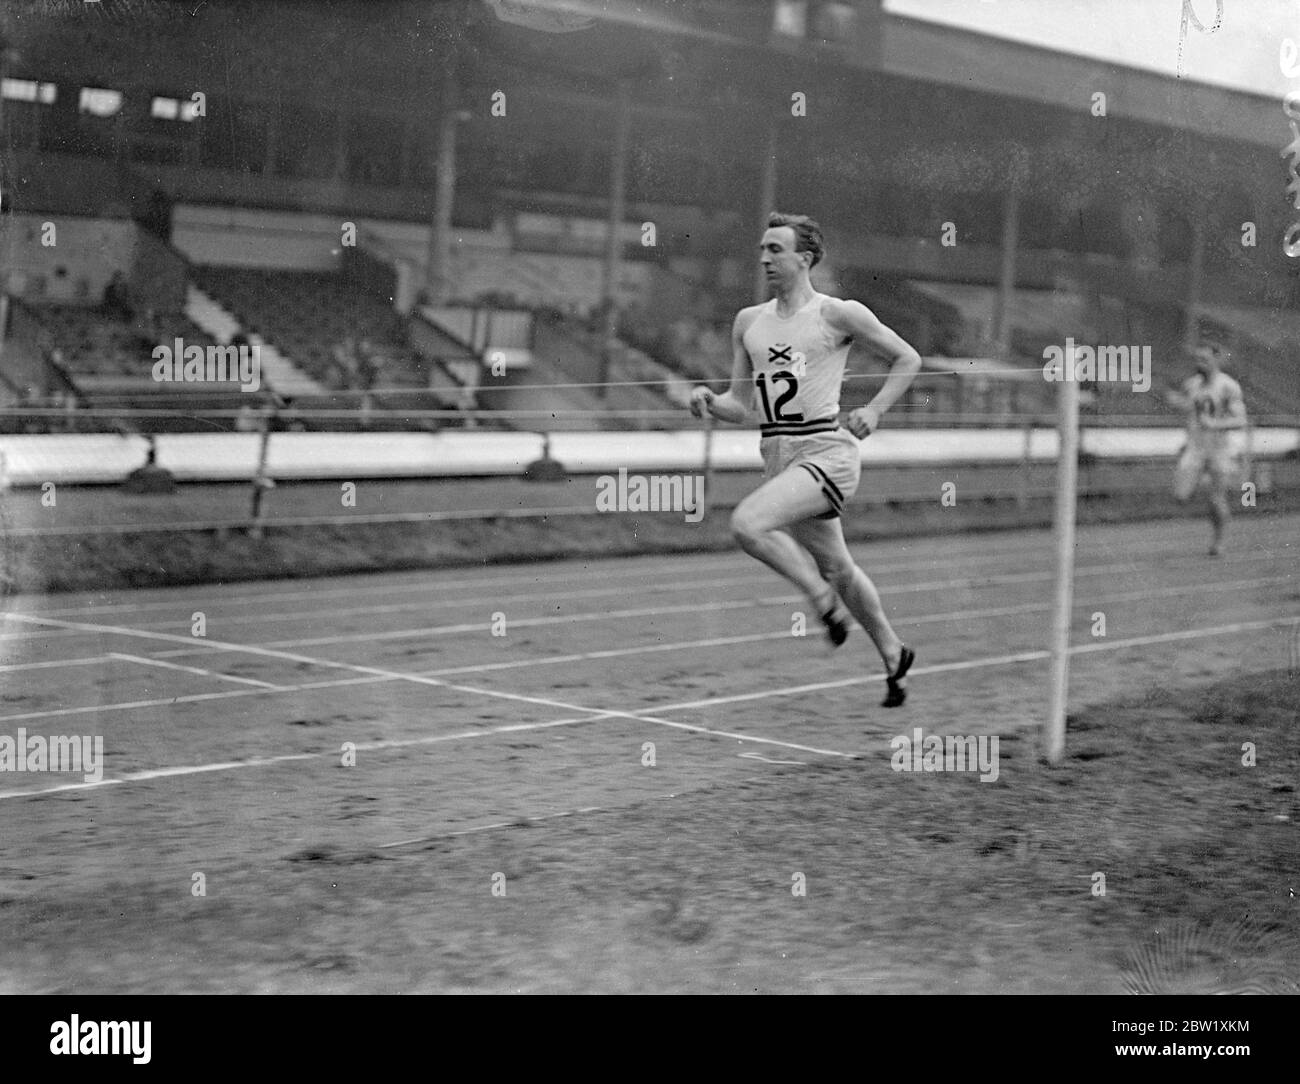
[{"x": 973, "y": 418}]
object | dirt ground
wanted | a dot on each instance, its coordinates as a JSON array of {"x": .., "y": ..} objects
[{"x": 519, "y": 765}]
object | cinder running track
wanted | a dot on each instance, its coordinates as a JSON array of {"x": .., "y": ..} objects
[{"x": 477, "y": 703}]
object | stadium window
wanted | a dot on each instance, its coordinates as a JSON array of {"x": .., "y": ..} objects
[
  {"x": 162, "y": 108},
  {"x": 828, "y": 22},
  {"x": 99, "y": 102},
  {"x": 28, "y": 90},
  {"x": 790, "y": 17},
  {"x": 833, "y": 22}
]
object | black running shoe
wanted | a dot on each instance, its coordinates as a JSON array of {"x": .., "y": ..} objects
[
  {"x": 836, "y": 620},
  {"x": 897, "y": 693}
]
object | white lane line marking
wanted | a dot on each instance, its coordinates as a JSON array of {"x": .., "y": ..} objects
[
  {"x": 964, "y": 583},
  {"x": 192, "y": 698},
  {"x": 59, "y": 788},
  {"x": 645, "y": 717},
  {"x": 767, "y": 760},
  {"x": 252, "y": 649},
  {"x": 676, "y": 585},
  {"x": 1001, "y": 611},
  {"x": 193, "y": 670},
  {"x": 132, "y": 705},
  {"x": 1001, "y": 660},
  {"x": 822, "y": 686},
  {"x": 285, "y": 758},
  {"x": 90, "y": 660},
  {"x": 612, "y": 653},
  {"x": 902, "y": 620},
  {"x": 595, "y": 715}
]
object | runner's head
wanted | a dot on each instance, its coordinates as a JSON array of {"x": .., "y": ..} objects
[
  {"x": 791, "y": 247},
  {"x": 1209, "y": 358}
]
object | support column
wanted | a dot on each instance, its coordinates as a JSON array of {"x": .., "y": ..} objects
[
  {"x": 6, "y": 262},
  {"x": 614, "y": 229},
  {"x": 437, "y": 268},
  {"x": 343, "y": 121},
  {"x": 766, "y": 205},
  {"x": 272, "y": 148},
  {"x": 404, "y": 169},
  {"x": 1195, "y": 275},
  {"x": 1007, "y": 270}
]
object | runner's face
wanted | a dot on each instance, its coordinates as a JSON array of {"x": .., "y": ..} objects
[
  {"x": 1206, "y": 363},
  {"x": 781, "y": 264}
]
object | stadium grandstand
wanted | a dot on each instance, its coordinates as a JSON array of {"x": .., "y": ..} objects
[{"x": 580, "y": 207}]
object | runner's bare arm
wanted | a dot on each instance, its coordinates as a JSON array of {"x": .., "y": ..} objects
[
  {"x": 1179, "y": 397},
  {"x": 731, "y": 406},
  {"x": 856, "y": 320}
]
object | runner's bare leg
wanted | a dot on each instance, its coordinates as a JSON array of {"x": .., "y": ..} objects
[
  {"x": 824, "y": 539},
  {"x": 761, "y": 525}
]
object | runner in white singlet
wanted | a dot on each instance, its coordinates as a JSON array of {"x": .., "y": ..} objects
[
  {"x": 1216, "y": 446},
  {"x": 788, "y": 358}
]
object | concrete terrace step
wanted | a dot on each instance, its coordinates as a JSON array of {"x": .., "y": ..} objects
[{"x": 279, "y": 373}]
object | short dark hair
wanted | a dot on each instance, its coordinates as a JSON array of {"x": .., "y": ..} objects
[{"x": 807, "y": 233}]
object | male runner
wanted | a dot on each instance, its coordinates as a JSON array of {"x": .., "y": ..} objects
[
  {"x": 788, "y": 357},
  {"x": 1216, "y": 421}
]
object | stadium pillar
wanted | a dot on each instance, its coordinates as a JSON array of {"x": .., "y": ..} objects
[
  {"x": 766, "y": 205},
  {"x": 262, "y": 481},
  {"x": 614, "y": 232},
  {"x": 271, "y": 148},
  {"x": 1067, "y": 469},
  {"x": 438, "y": 262},
  {"x": 1195, "y": 273},
  {"x": 708, "y": 462},
  {"x": 1007, "y": 270}
]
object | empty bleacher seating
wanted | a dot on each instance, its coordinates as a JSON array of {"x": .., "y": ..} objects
[
  {"x": 309, "y": 316},
  {"x": 96, "y": 349}
]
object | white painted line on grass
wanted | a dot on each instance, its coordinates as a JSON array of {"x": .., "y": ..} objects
[
  {"x": 48, "y": 664},
  {"x": 1001, "y": 660},
  {"x": 768, "y": 760},
  {"x": 193, "y": 670},
  {"x": 285, "y": 758},
  {"x": 907, "y": 620},
  {"x": 264, "y": 652},
  {"x": 964, "y": 583},
  {"x": 721, "y": 641},
  {"x": 594, "y": 715}
]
